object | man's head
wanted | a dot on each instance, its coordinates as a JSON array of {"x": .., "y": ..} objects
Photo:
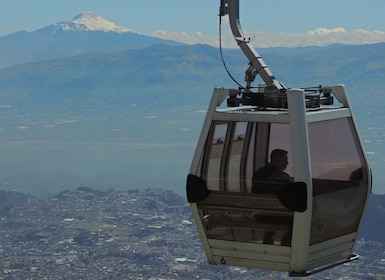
[{"x": 278, "y": 157}]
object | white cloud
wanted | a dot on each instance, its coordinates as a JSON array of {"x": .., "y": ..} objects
[
  {"x": 318, "y": 37},
  {"x": 195, "y": 38}
]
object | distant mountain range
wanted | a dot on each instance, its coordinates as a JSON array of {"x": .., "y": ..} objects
[
  {"x": 182, "y": 74},
  {"x": 85, "y": 33},
  {"x": 91, "y": 55}
]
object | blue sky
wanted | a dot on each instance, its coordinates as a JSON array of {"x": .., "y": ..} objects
[{"x": 147, "y": 16}]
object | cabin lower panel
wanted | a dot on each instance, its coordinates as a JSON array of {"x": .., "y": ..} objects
[
  {"x": 243, "y": 254},
  {"x": 332, "y": 251},
  {"x": 270, "y": 257}
]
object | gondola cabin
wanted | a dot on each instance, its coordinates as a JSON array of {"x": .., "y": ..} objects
[
  {"x": 298, "y": 225},
  {"x": 279, "y": 179}
]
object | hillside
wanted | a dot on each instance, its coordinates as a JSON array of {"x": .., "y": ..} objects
[
  {"x": 180, "y": 75},
  {"x": 160, "y": 73},
  {"x": 10, "y": 199}
]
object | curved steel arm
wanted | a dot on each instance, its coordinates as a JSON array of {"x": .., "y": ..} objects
[{"x": 257, "y": 65}]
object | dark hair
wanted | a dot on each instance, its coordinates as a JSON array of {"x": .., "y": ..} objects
[{"x": 277, "y": 154}]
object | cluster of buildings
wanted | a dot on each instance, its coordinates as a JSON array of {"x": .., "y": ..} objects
[{"x": 88, "y": 234}]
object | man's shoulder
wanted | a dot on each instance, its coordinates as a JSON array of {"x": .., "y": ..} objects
[
  {"x": 265, "y": 172},
  {"x": 283, "y": 176}
]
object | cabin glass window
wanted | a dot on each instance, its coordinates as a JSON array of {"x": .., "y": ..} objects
[
  {"x": 339, "y": 178},
  {"x": 280, "y": 139},
  {"x": 231, "y": 211},
  {"x": 215, "y": 154},
  {"x": 233, "y": 183},
  {"x": 265, "y": 138}
]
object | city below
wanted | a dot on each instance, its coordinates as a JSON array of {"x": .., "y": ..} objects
[{"x": 89, "y": 234}]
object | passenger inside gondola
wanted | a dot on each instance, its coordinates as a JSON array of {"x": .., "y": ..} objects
[
  {"x": 273, "y": 174},
  {"x": 269, "y": 179}
]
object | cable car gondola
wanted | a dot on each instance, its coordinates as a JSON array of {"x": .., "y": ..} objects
[{"x": 300, "y": 223}]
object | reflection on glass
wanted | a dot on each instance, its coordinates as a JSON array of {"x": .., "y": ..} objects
[
  {"x": 246, "y": 219},
  {"x": 216, "y": 150},
  {"x": 339, "y": 179},
  {"x": 235, "y": 156}
]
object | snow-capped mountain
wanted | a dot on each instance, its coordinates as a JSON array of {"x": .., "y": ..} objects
[
  {"x": 90, "y": 21},
  {"x": 85, "y": 33}
]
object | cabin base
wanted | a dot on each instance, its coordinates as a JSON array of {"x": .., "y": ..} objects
[{"x": 320, "y": 269}]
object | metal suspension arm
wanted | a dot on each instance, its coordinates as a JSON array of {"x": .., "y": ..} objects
[{"x": 257, "y": 65}]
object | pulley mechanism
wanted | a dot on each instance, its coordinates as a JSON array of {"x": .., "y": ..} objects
[{"x": 271, "y": 93}]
